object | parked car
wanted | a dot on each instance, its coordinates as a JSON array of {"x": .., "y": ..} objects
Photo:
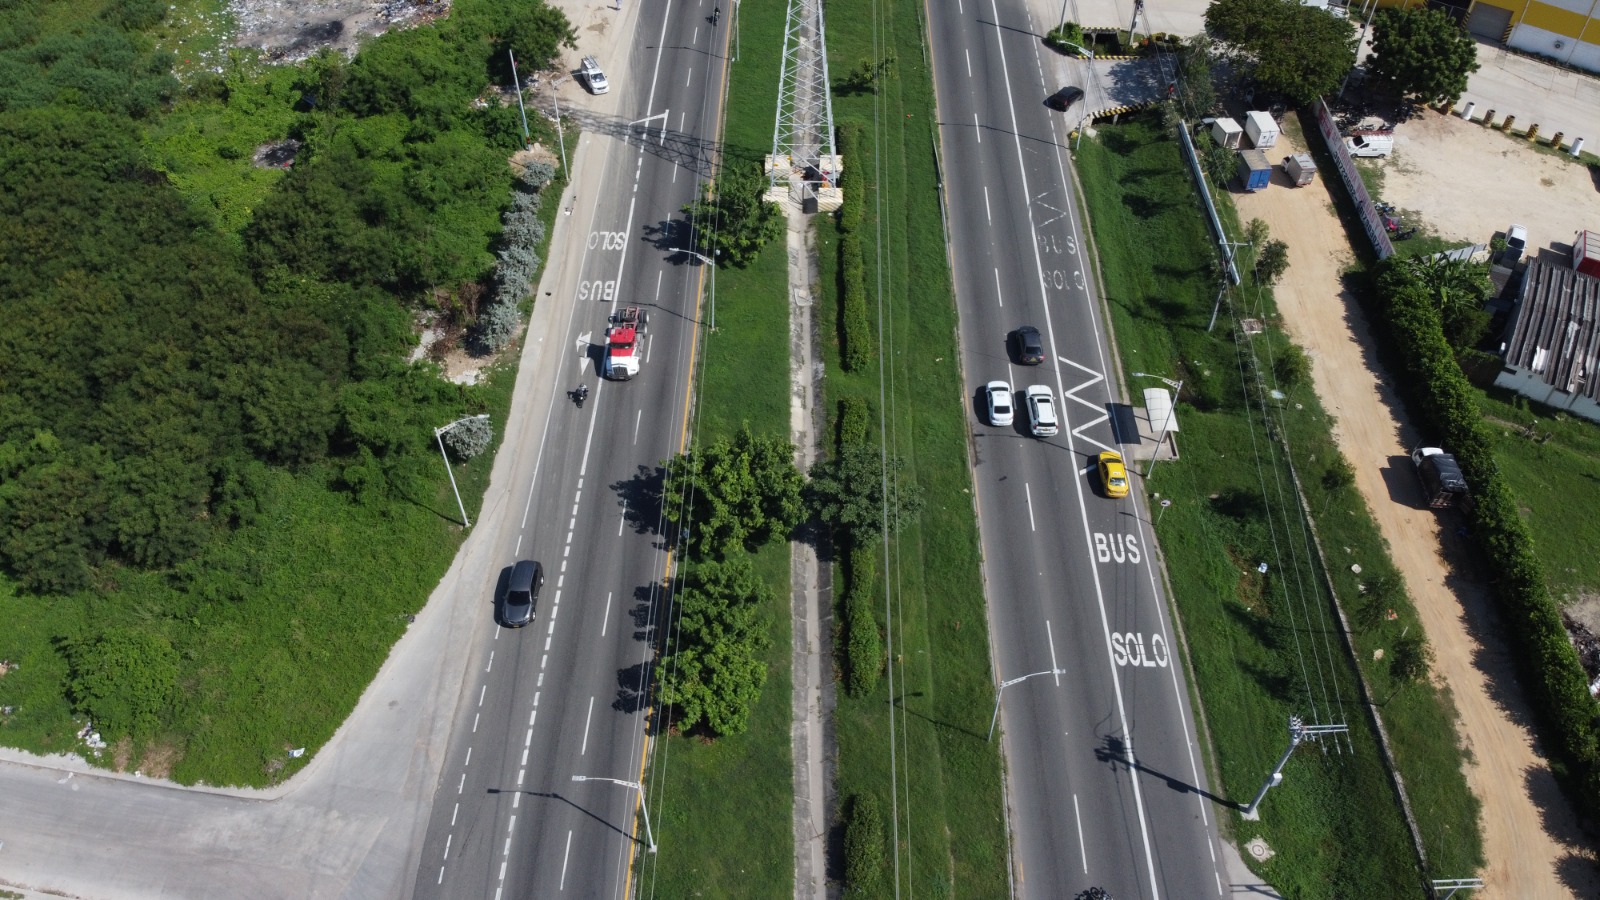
[
  {"x": 1113, "y": 474},
  {"x": 1063, "y": 99},
  {"x": 522, "y": 594},
  {"x": 1041, "y": 411},
  {"x": 593, "y": 76},
  {"x": 1027, "y": 346},
  {"x": 998, "y": 395}
]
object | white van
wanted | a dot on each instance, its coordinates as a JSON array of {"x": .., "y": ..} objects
[
  {"x": 593, "y": 77},
  {"x": 1370, "y": 144}
]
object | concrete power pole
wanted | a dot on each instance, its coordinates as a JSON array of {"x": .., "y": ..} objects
[{"x": 1298, "y": 731}]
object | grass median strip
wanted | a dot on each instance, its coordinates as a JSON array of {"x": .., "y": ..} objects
[{"x": 1242, "y": 557}]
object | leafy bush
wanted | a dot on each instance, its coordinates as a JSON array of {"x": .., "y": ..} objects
[
  {"x": 864, "y": 857},
  {"x": 469, "y": 438},
  {"x": 863, "y": 639},
  {"x": 1067, "y": 38},
  {"x": 733, "y": 220},
  {"x": 854, "y": 422},
  {"x": 123, "y": 679},
  {"x": 857, "y": 490},
  {"x": 735, "y": 495},
  {"x": 714, "y": 673},
  {"x": 496, "y": 327},
  {"x": 536, "y": 173},
  {"x": 857, "y": 346}
]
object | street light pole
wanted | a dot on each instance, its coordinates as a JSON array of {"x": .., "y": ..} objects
[
  {"x": 1005, "y": 684},
  {"x": 517, "y": 80},
  {"x": 561, "y": 137},
  {"x": 1172, "y": 410},
  {"x": 713, "y": 264},
  {"x": 637, "y": 787},
  {"x": 438, "y": 435},
  {"x": 1298, "y": 731}
]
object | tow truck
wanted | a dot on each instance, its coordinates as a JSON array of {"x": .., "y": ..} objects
[{"x": 624, "y": 344}]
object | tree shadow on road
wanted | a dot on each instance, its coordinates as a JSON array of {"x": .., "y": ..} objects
[{"x": 640, "y": 499}]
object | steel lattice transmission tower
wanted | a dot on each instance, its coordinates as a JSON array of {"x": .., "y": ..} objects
[{"x": 803, "y": 164}]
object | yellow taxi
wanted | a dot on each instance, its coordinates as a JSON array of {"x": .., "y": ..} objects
[{"x": 1113, "y": 474}]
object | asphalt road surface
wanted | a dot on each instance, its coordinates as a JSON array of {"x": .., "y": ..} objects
[
  {"x": 1106, "y": 784},
  {"x": 562, "y": 697}
]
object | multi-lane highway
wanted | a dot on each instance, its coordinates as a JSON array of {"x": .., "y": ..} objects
[
  {"x": 1106, "y": 783},
  {"x": 561, "y": 698}
]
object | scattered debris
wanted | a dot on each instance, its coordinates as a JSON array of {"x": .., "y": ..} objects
[
  {"x": 1587, "y": 643},
  {"x": 294, "y": 30},
  {"x": 277, "y": 155}
]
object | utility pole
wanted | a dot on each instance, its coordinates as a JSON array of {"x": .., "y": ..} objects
[
  {"x": 1133, "y": 29},
  {"x": 1298, "y": 731},
  {"x": 561, "y": 137},
  {"x": 636, "y": 786},
  {"x": 1002, "y": 689},
  {"x": 438, "y": 435},
  {"x": 526, "y": 141}
]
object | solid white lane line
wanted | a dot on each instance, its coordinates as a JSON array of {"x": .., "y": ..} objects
[
  {"x": 606, "y": 618},
  {"x": 1029, "y": 491},
  {"x": 564, "y": 861},
  {"x": 1051, "y": 638},
  {"x": 1081, "y": 852},
  {"x": 586, "y": 720}
]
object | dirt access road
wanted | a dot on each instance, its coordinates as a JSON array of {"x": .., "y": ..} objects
[{"x": 1531, "y": 839}]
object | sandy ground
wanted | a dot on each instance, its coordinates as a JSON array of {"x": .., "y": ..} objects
[
  {"x": 1531, "y": 838},
  {"x": 1467, "y": 182}
]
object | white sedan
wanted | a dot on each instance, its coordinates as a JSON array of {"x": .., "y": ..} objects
[{"x": 998, "y": 393}]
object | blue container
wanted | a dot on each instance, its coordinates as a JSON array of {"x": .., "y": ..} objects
[{"x": 1255, "y": 172}]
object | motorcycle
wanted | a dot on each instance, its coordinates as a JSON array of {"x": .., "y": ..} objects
[{"x": 580, "y": 394}]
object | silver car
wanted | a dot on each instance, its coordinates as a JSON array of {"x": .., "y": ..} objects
[{"x": 1042, "y": 411}]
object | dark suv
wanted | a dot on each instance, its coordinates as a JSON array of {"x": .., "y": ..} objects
[
  {"x": 1027, "y": 345},
  {"x": 522, "y": 592}
]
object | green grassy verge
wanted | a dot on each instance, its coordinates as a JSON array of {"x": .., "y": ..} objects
[
  {"x": 1553, "y": 468},
  {"x": 954, "y": 844},
  {"x": 724, "y": 806},
  {"x": 1265, "y": 646}
]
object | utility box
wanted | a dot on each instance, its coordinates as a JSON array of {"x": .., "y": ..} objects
[
  {"x": 1227, "y": 133},
  {"x": 1300, "y": 168},
  {"x": 1586, "y": 253},
  {"x": 1262, "y": 129},
  {"x": 1254, "y": 171}
]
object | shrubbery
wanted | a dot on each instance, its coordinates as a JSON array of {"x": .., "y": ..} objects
[
  {"x": 856, "y": 345},
  {"x": 714, "y": 671},
  {"x": 863, "y": 640},
  {"x": 864, "y": 857},
  {"x": 1447, "y": 404}
]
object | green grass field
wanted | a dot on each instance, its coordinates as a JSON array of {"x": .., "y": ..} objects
[
  {"x": 1265, "y": 646},
  {"x": 1560, "y": 477}
]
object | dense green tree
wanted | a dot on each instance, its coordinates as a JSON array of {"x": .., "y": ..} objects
[
  {"x": 733, "y": 221},
  {"x": 1272, "y": 260},
  {"x": 1300, "y": 51},
  {"x": 714, "y": 671},
  {"x": 93, "y": 66},
  {"x": 858, "y": 489},
  {"x": 535, "y": 32},
  {"x": 1422, "y": 53},
  {"x": 124, "y": 679},
  {"x": 736, "y": 494}
]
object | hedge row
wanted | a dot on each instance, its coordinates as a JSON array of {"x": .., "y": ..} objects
[
  {"x": 855, "y": 329},
  {"x": 864, "y": 859},
  {"x": 863, "y": 641},
  {"x": 853, "y": 422},
  {"x": 1448, "y": 406}
]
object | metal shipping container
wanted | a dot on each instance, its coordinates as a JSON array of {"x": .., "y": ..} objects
[
  {"x": 1300, "y": 168},
  {"x": 1262, "y": 129},
  {"x": 1254, "y": 171},
  {"x": 1586, "y": 253}
]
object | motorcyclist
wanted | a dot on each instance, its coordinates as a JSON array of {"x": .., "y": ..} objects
[
  {"x": 716, "y": 14},
  {"x": 581, "y": 393}
]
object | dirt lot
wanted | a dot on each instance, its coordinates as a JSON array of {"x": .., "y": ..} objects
[
  {"x": 1468, "y": 182},
  {"x": 1531, "y": 838}
]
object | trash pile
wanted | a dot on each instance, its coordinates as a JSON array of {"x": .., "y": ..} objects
[
  {"x": 91, "y": 739},
  {"x": 1587, "y": 643},
  {"x": 294, "y": 30}
]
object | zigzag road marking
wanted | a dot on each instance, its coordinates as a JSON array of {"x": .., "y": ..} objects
[{"x": 1104, "y": 416}]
